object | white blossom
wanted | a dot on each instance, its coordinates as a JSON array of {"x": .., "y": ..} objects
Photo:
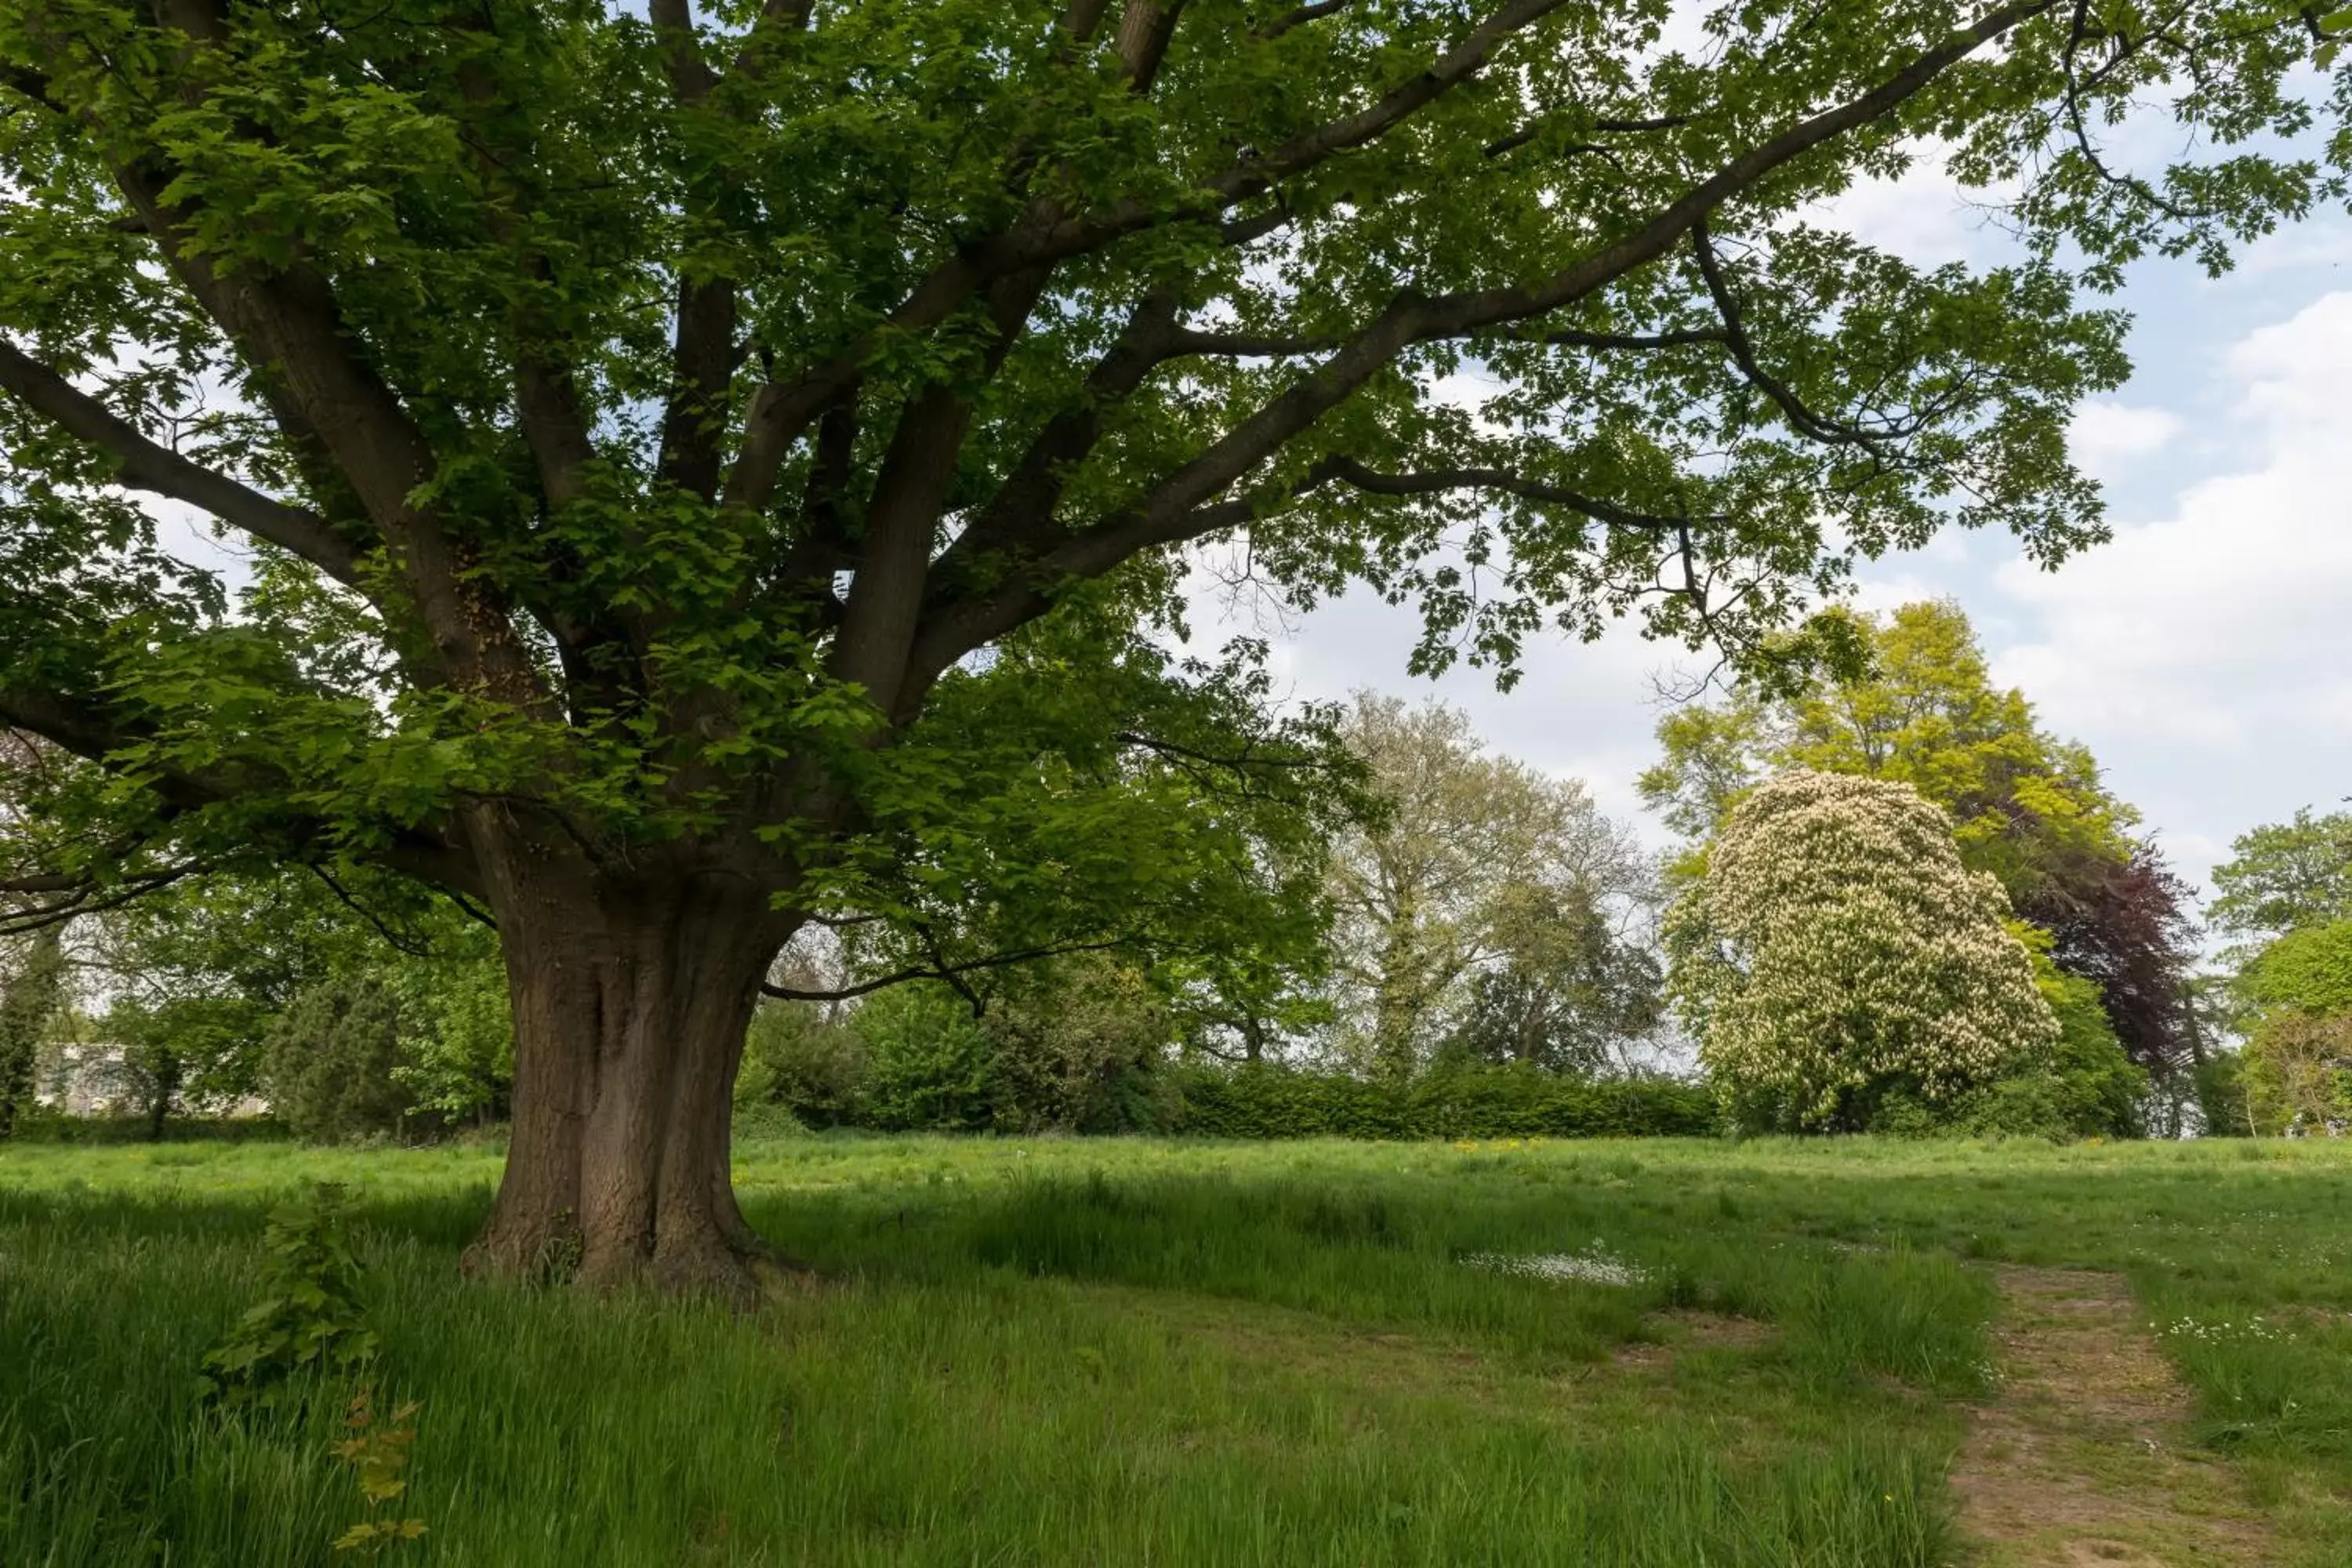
[{"x": 1837, "y": 943}]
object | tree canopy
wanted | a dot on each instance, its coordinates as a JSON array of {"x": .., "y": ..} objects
[
  {"x": 1922, "y": 709},
  {"x": 2286, "y": 892},
  {"x": 2283, "y": 876},
  {"x": 776, "y": 363},
  {"x": 2291, "y": 999},
  {"x": 2308, "y": 969},
  {"x": 1485, "y": 897}
]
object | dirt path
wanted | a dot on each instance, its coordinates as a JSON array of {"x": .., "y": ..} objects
[{"x": 2080, "y": 1460}]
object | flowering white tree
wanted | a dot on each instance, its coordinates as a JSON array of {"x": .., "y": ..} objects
[{"x": 1836, "y": 950}]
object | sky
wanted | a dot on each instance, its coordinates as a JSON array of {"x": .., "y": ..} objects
[{"x": 2200, "y": 654}]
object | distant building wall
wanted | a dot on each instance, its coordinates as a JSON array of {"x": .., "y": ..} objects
[{"x": 94, "y": 1079}]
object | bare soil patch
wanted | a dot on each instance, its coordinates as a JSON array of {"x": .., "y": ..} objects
[
  {"x": 2080, "y": 1461},
  {"x": 1684, "y": 1330},
  {"x": 1309, "y": 1347}
]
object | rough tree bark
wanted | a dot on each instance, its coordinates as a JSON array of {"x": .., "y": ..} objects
[
  {"x": 163, "y": 1090},
  {"x": 27, "y": 1001},
  {"x": 631, "y": 993}
]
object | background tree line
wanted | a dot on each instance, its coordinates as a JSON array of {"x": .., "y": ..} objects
[
  {"x": 2285, "y": 986},
  {"x": 1440, "y": 909},
  {"x": 1420, "y": 909}
]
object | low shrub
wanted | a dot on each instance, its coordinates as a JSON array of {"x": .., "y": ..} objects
[
  {"x": 1083, "y": 1051},
  {"x": 1076, "y": 1047},
  {"x": 810, "y": 1065},
  {"x": 1093, "y": 1060},
  {"x": 310, "y": 1321},
  {"x": 46, "y": 1125},
  {"x": 934, "y": 1069}
]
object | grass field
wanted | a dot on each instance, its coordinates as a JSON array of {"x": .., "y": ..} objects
[{"x": 1129, "y": 1352}]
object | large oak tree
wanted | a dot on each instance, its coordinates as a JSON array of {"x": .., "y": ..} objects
[{"x": 707, "y": 471}]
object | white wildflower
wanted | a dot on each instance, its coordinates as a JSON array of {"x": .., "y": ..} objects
[{"x": 1593, "y": 1267}]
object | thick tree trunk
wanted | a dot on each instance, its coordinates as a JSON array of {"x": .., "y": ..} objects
[{"x": 631, "y": 1001}]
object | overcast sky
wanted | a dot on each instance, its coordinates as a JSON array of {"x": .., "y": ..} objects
[{"x": 2201, "y": 654}]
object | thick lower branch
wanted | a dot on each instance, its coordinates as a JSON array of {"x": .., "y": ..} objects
[
  {"x": 150, "y": 466},
  {"x": 1348, "y": 471},
  {"x": 939, "y": 971},
  {"x": 64, "y": 900},
  {"x": 781, "y": 412}
]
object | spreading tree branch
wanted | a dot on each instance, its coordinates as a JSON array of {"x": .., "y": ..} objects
[
  {"x": 1634, "y": 342},
  {"x": 88, "y": 897},
  {"x": 1348, "y": 471},
  {"x": 941, "y": 971},
  {"x": 1180, "y": 507},
  {"x": 1293, "y": 20},
  {"x": 780, "y": 412},
  {"x": 408, "y": 946},
  {"x": 94, "y": 736},
  {"x": 1535, "y": 128},
  {"x": 291, "y": 326},
  {"x": 1807, "y": 423},
  {"x": 147, "y": 465}
]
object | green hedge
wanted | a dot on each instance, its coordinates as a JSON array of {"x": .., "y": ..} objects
[
  {"x": 46, "y": 1125},
  {"x": 1275, "y": 1102}
]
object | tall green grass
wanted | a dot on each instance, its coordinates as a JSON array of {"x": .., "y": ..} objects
[
  {"x": 944, "y": 1416},
  {"x": 1078, "y": 1351}
]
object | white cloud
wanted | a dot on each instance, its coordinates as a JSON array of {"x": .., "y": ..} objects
[
  {"x": 2293, "y": 371},
  {"x": 2322, "y": 242},
  {"x": 1879, "y": 592},
  {"x": 187, "y": 534},
  {"x": 1471, "y": 389},
  {"x": 1581, "y": 710},
  {"x": 1922, "y": 215},
  {"x": 2202, "y": 650},
  {"x": 2106, "y": 435}
]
